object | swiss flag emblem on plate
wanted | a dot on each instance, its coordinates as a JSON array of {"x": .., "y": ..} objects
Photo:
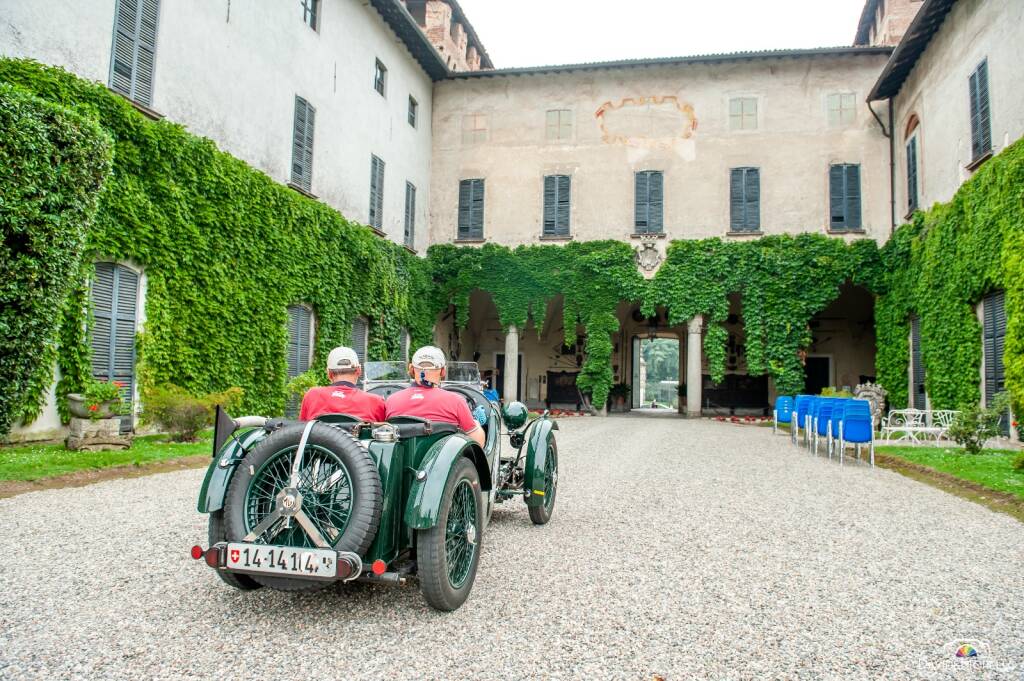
[{"x": 234, "y": 555}]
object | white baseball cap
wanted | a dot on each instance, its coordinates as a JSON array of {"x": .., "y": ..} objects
[
  {"x": 342, "y": 359},
  {"x": 429, "y": 357}
]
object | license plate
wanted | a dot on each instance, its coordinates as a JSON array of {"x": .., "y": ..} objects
[{"x": 282, "y": 560}]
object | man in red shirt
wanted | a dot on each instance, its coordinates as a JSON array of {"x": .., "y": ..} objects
[
  {"x": 342, "y": 396},
  {"x": 425, "y": 400}
]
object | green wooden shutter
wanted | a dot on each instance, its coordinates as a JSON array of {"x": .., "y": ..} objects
[
  {"x": 476, "y": 210},
  {"x": 410, "y": 214},
  {"x": 656, "y": 210},
  {"x": 912, "y": 174},
  {"x": 557, "y": 194},
  {"x": 737, "y": 205},
  {"x": 360, "y": 339},
  {"x": 918, "y": 398},
  {"x": 376, "y": 192},
  {"x": 550, "y": 197},
  {"x": 837, "y": 197},
  {"x": 641, "y": 203},
  {"x": 114, "y": 295},
  {"x": 993, "y": 347},
  {"x": 465, "y": 196},
  {"x": 133, "y": 55},
  {"x": 981, "y": 122},
  {"x": 852, "y": 191},
  {"x": 302, "y": 144},
  {"x": 752, "y": 196}
]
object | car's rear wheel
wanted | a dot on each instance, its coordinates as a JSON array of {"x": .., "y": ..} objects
[
  {"x": 448, "y": 554},
  {"x": 540, "y": 515},
  {"x": 340, "y": 494}
]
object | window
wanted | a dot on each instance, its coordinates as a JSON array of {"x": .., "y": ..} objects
[
  {"x": 380, "y": 78},
  {"x": 981, "y": 122},
  {"x": 994, "y": 336},
  {"x": 918, "y": 399},
  {"x": 403, "y": 344},
  {"x": 743, "y": 113},
  {"x": 376, "y": 193},
  {"x": 474, "y": 128},
  {"x": 134, "y": 49},
  {"x": 559, "y": 124},
  {"x": 311, "y": 12},
  {"x": 745, "y": 200},
  {"x": 410, "y": 214},
  {"x": 300, "y": 339},
  {"x": 414, "y": 109},
  {"x": 844, "y": 197},
  {"x": 471, "y": 209},
  {"x": 114, "y": 293},
  {"x": 648, "y": 202},
  {"x": 912, "y": 174},
  {"x": 360, "y": 337},
  {"x": 842, "y": 109},
  {"x": 302, "y": 144},
  {"x": 557, "y": 192}
]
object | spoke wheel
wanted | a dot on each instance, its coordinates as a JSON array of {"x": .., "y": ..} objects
[
  {"x": 338, "y": 484},
  {"x": 540, "y": 515},
  {"x": 448, "y": 554}
]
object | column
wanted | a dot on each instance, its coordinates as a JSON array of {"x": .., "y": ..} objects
[
  {"x": 693, "y": 372},
  {"x": 682, "y": 370},
  {"x": 511, "y": 364}
]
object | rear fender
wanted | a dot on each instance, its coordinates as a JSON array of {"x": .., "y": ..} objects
[
  {"x": 537, "y": 451},
  {"x": 223, "y": 466},
  {"x": 425, "y": 497}
]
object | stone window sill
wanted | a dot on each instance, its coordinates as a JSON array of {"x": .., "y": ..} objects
[
  {"x": 556, "y": 237},
  {"x": 308, "y": 195},
  {"x": 378, "y": 232},
  {"x": 470, "y": 240},
  {"x": 840, "y": 232},
  {"x": 410, "y": 249},
  {"x": 910, "y": 213},
  {"x": 647, "y": 235},
  {"x": 976, "y": 163},
  {"x": 745, "y": 233},
  {"x": 149, "y": 113}
]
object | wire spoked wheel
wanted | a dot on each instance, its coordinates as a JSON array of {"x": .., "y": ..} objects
[
  {"x": 460, "y": 543},
  {"x": 336, "y": 499},
  {"x": 540, "y": 515},
  {"x": 447, "y": 554}
]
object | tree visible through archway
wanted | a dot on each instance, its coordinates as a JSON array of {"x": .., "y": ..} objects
[{"x": 659, "y": 381}]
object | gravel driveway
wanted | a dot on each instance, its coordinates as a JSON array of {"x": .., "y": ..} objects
[{"x": 680, "y": 548}]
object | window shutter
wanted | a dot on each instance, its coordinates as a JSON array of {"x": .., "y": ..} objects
[
  {"x": 736, "y": 203},
  {"x": 114, "y": 294},
  {"x": 102, "y": 294},
  {"x": 476, "y": 216},
  {"x": 912, "y": 174},
  {"x": 410, "y": 214},
  {"x": 993, "y": 347},
  {"x": 359, "y": 338},
  {"x": 376, "y": 192},
  {"x": 655, "y": 212},
  {"x": 550, "y": 198},
  {"x": 984, "y": 116},
  {"x": 307, "y": 149},
  {"x": 917, "y": 400},
  {"x": 836, "y": 197},
  {"x": 972, "y": 83},
  {"x": 852, "y": 196},
  {"x": 641, "y": 203},
  {"x": 134, "y": 50},
  {"x": 302, "y": 144},
  {"x": 564, "y": 186},
  {"x": 300, "y": 343},
  {"x": 752, "y": 196},
  {"x": 465, "y": 197}
]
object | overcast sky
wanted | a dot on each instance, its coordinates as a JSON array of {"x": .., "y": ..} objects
[{"x": 536, "y": 32}]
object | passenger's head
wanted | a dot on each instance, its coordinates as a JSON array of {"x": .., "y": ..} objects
[
  {"x": 428, "y": 365},
  {"x": 343, "y": 365}
]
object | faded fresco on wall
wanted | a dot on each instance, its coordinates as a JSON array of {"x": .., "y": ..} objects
[{"x": 656, "y": 122}]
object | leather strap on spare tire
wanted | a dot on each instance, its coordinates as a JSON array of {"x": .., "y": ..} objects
[{"x": 339, "y": 492}]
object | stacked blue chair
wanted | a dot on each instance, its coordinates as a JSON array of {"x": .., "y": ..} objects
[
  {"x": 812, "y": 413},
  {"x": 836, "y": 418},
  {"x": 823, "y": 420},
  {"x": 801, "y": 405},
  {"x": 857, "y": 427},
  {"x": 783, "y": 412}
]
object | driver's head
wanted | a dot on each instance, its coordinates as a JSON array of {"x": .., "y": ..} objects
[
  {"x": 428, "y": 365},
  {"x": 343, "y": 365}
]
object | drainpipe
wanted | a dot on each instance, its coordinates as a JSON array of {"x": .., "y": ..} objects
[{"x": 892, "y": 164}]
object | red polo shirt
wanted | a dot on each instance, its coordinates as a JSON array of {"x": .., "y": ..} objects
[
  {"x": 433, "y": 404},
  {"x": 341, "y": 398}
]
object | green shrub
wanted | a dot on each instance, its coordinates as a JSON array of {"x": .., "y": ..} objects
[
  {"x": 298, "y": 386},
  {"x": 182, "y": 415},
  {"x": 1018, "y": 463},
  {"x": 832, "y": 391},
  {"x": 974, "y": 426},
  {"x": 52, "y": 165}
]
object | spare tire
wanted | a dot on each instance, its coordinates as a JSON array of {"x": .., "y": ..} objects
[{"x": 338, "y": 481}]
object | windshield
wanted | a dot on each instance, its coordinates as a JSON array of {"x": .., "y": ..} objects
[
  {"x": 385, "y": 372},
  {"x": 464, "y": 372}
]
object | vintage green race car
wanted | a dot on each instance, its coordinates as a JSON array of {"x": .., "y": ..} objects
[{"x": 296, "y": 506}]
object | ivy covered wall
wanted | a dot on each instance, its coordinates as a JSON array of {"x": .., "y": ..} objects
[
  {"x": 938, "y": 267},
  {"x": 225, "y": 250}
]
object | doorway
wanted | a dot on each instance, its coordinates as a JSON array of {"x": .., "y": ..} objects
[
  {"x": 114, "y": 293},
  {"x": 655, "y": 372},
  {"x": 818, "y": 373}
]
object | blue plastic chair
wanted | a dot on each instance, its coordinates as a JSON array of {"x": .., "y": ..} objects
[
  {"x": 835, "y": 419},
  {"x": 783, "y": 412},
  {"x": 857, "y": 428},
  {"x": 813, "y": 407},
  {"x": 823, "y": 420},
  {"x": 801, "y": 405}
]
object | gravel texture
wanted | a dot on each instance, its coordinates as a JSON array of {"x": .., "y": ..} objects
[{"x": 685, "y": 549}]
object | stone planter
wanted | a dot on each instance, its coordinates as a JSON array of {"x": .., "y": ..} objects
[{"x": 77, "y": 407}]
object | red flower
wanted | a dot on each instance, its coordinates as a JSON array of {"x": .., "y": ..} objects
[
  {"x": 119, "y": 384},
  {"x": 93, "y": 407}
]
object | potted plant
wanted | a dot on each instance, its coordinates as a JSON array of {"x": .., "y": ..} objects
[
  {"x": 99, "y": 400},
  {"x": 618, "y": 394}
]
